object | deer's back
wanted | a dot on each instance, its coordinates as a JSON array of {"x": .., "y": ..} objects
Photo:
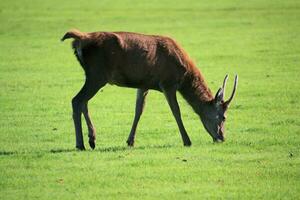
[{"x": 134, "y": 60}]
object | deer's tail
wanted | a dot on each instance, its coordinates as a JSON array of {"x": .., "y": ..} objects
[{"x": 76, "y": 34}]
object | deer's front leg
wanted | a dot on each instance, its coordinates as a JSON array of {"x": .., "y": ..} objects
[
  {"x": 139, "y": 107},
  {"x": 170, "y": 94}
]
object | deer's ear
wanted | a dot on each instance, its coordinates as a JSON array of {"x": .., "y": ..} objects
[{"x": 219, "y": 96}]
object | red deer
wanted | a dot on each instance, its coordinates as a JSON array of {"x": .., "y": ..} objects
[{"x": 144, "y": 62}]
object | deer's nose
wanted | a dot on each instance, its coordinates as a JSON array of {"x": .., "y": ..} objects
[{"x": 219, "y": 138}]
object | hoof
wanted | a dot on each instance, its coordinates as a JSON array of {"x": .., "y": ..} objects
[
  {"x": 92, "y": 144},
  {"x": 188, "y": 144},
  {"x": 130, "y": 143},
  {"x": 80, "y": 148}
]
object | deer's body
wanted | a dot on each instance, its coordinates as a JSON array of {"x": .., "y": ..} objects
[{"x": 137, "y": 61}]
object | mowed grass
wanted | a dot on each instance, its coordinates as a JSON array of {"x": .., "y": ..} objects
[{"x": 258, "y": 40}]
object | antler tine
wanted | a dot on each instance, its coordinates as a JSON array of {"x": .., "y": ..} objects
[
  {"x": 234, "y": 90},
  {"x": 224, "y": 84}
]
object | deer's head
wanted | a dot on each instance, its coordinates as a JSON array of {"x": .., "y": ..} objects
[{"x": 214, "y": 113}]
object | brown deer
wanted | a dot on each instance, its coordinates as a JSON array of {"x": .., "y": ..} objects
[{"x": 144, "y": 62}]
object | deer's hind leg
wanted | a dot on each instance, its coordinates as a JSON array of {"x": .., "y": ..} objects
[
  {"x": 79, "y": 105},
  {"x": 90, "y": 126}
]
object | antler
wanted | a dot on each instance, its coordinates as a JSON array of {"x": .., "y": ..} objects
[
  {"x": 224, "y": 85},
  {"x": 234, "y": 89}
]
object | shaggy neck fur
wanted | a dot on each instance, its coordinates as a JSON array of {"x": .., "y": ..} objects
[{"x": 195, "y": 91}]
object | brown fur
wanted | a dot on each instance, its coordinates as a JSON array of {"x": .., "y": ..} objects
[
  {"x": 138, "y": 61},
  {"x": 141, "y": 61}
]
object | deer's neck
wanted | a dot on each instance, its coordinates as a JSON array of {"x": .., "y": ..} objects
[{"x": 195, "y": 91}]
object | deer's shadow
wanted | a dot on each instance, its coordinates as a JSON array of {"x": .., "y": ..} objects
[
  {"x": 112, "y": 149},
  {"x": 99, "y": 149}
]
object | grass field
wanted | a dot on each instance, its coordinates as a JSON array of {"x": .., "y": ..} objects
[{"x": 39, "y": 75}]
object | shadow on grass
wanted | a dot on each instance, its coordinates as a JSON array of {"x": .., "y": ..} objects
[
  {"x": 99, "y": 149},
  {"x": 7, "y": 153},
  {"x": 62, "y": 150},
  {"x": 113, "y": 149},
  {"x": 125, "y": 148}
]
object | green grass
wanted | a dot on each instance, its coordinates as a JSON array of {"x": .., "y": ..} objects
[{"x": 39, "y": 75}]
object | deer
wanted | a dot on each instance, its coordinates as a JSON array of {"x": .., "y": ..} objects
[{"x": 144, "y": 62}]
